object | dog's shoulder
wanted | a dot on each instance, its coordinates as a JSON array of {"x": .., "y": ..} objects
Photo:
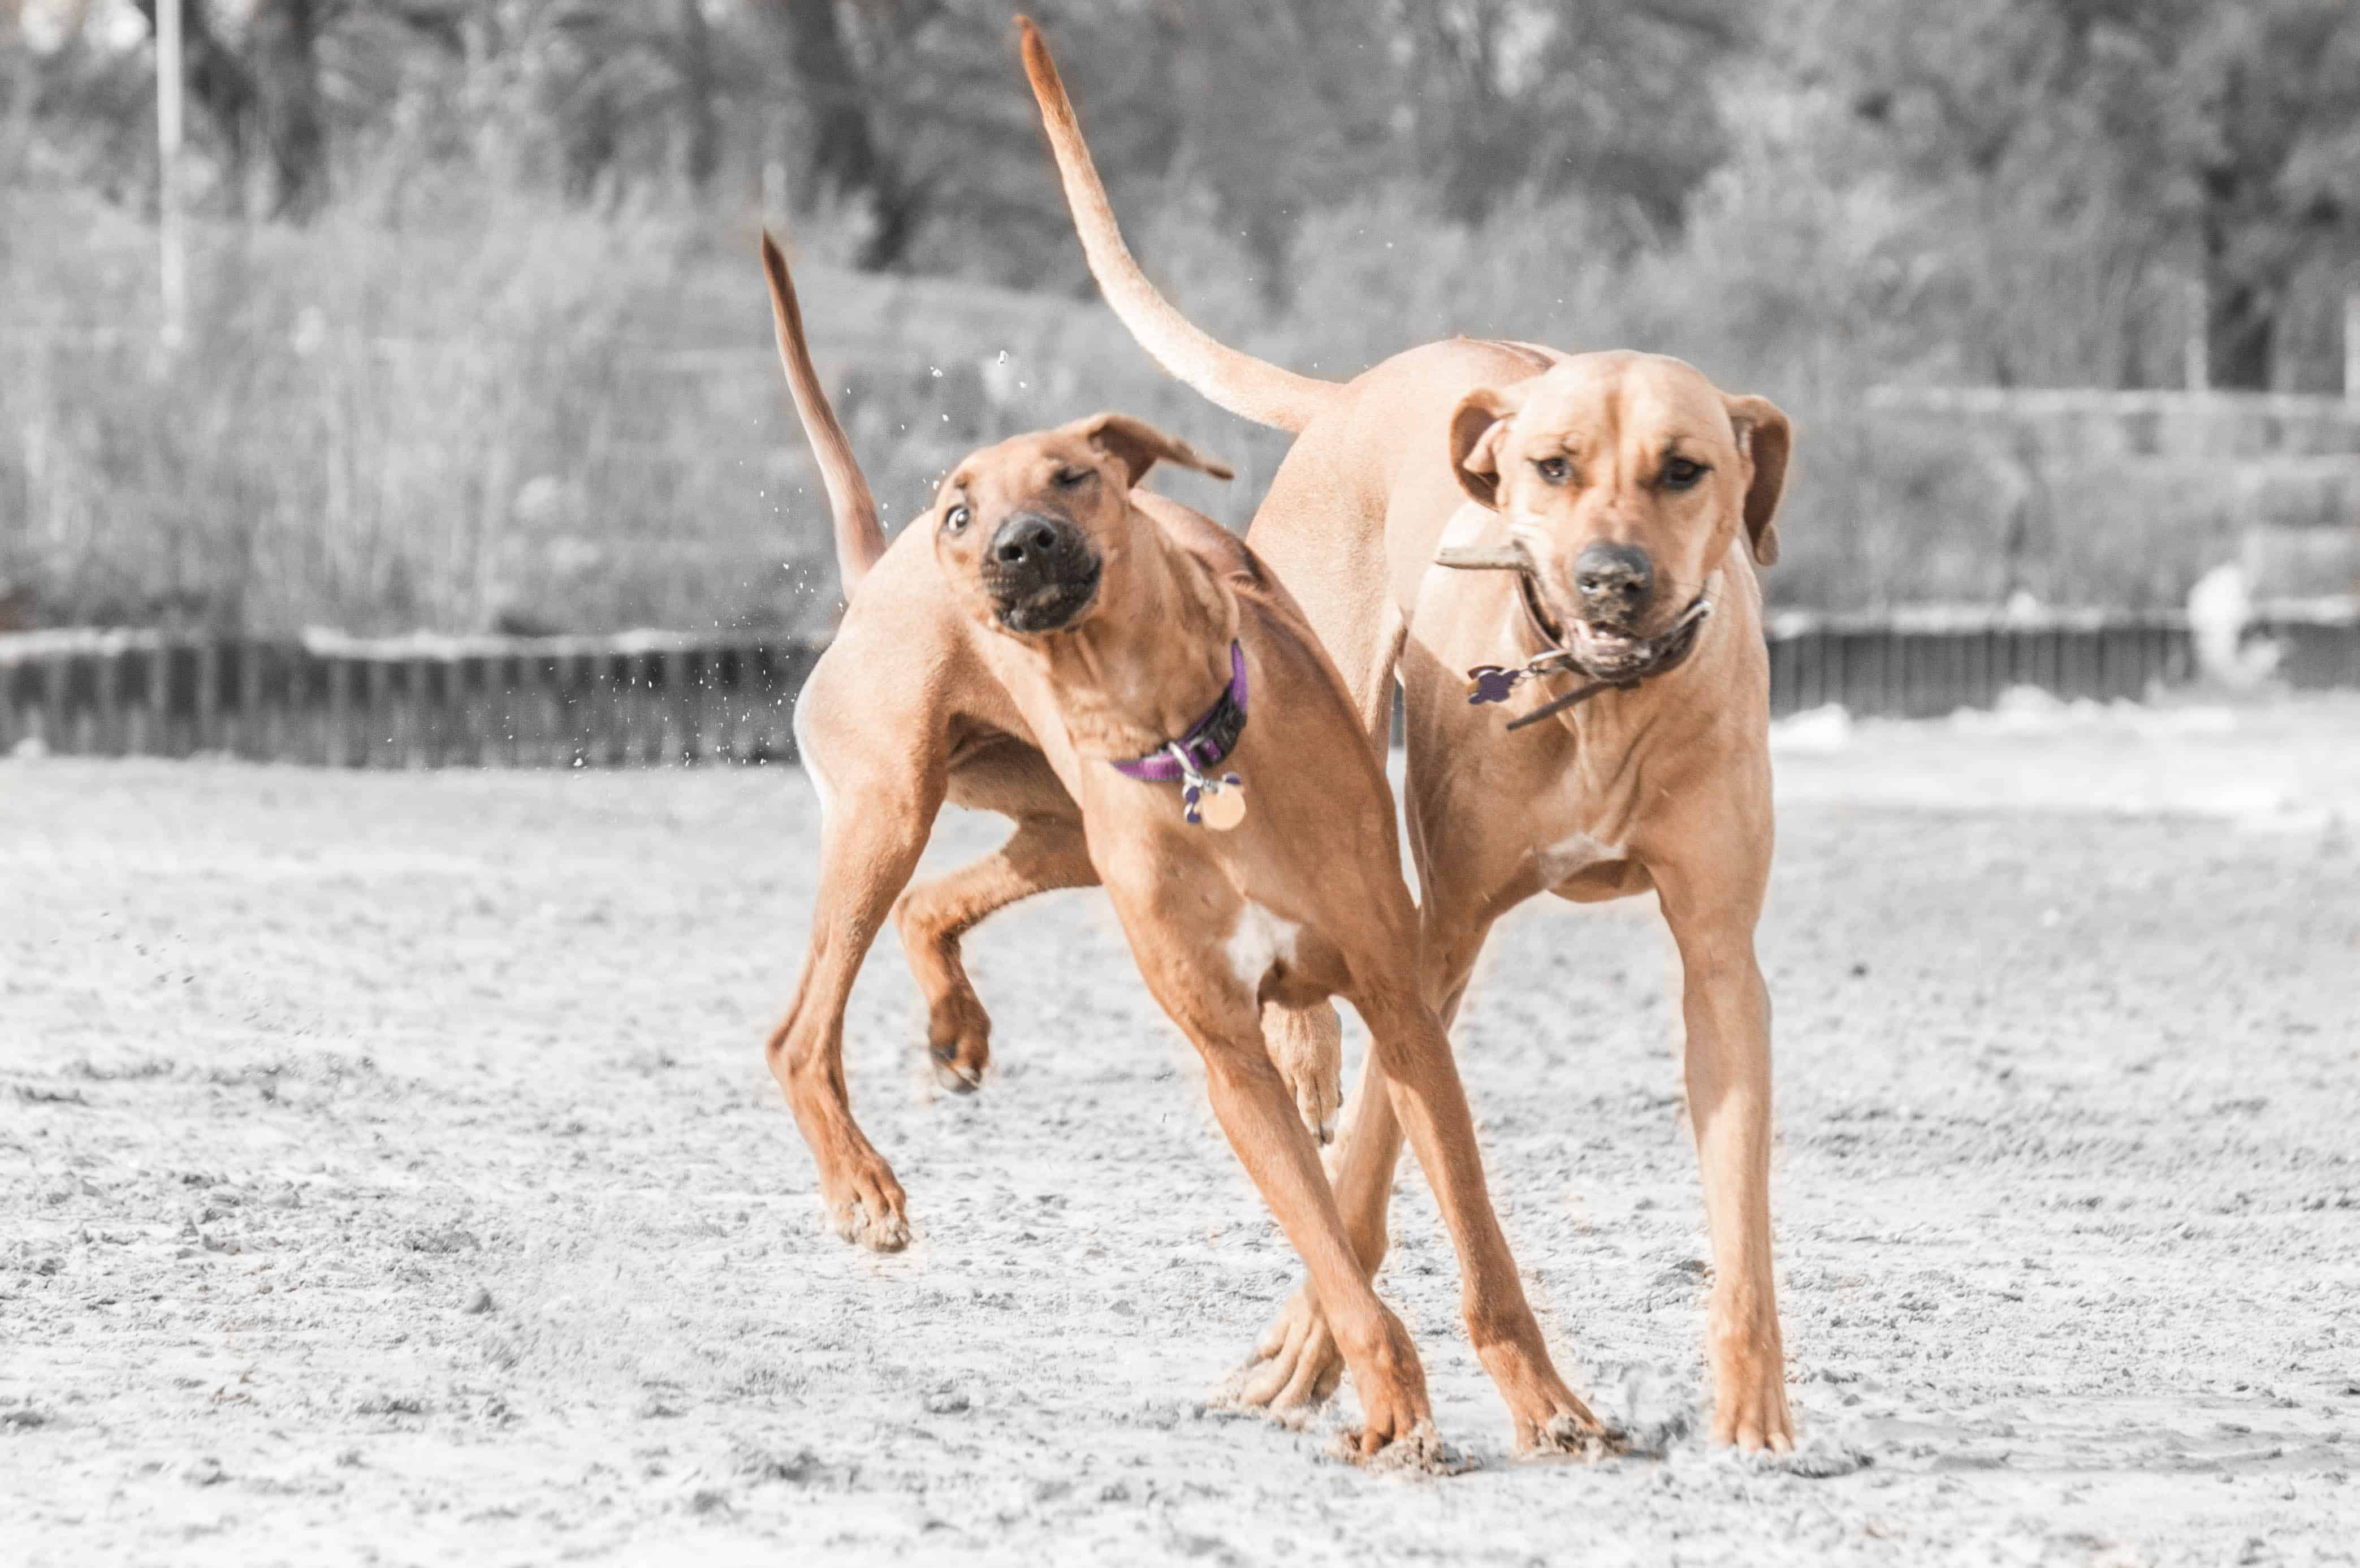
[
  {"x": 1285, "y": 631},
  {"x": 1215, "y": 547}
]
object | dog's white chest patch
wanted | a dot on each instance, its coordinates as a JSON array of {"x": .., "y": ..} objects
[
  {"x": 1260, "y": 940},
  {"x": 1571, "y": 855}
]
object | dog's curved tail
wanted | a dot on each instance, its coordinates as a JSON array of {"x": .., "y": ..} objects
[
  {"x": 1250, "y": 388},
  {"x": 859, "y": 538}
]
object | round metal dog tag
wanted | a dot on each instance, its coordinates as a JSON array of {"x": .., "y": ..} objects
[{"x": 1223, "y": 808}]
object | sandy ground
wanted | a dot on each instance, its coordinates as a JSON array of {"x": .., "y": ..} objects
[{"x": 388, "y": 1173}]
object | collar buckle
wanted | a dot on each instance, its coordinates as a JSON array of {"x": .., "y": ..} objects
[{"x": 1189, "y": 761}]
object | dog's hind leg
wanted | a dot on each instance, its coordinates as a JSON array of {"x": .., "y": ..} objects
[{"x": 1043, "y": 853}]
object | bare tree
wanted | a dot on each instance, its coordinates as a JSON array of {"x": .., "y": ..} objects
[
  {"x": 846, "y": 157},
  {"x": 284, "y": 45},
  {"x": 218, "y": 81},
  {"x": 700, "y": 94},
  {"x": 2211, "y": 135}
]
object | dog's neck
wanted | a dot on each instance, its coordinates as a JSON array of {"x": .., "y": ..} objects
[{"x": 1145, "y": 668}]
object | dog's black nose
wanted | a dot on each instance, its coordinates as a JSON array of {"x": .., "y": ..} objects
[
  {"x": 1030, "y": 540},
  {"x": 1614, "y": 580},
  {"x": 1040, "y": 572}
]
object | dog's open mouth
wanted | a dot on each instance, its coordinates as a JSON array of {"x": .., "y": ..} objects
[
  {"x": 1611, "y": 655},
  {"x": 1045, "y": 607}
]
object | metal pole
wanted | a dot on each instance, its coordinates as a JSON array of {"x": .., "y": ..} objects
[{"x": 172, "y": 260}]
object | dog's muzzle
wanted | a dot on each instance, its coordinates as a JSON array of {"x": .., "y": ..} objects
[
  {"x": 1040, "y": 572},
  {"x": 1615, "y": 584},
  {"x": 1610, "y": 652},
  {"x": 1610, "y": 658}
]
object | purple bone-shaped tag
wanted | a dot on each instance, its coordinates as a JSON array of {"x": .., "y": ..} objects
[{"x": 1493, "y": 683}]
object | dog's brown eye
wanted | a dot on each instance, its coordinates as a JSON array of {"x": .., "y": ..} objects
[
  {"x": 1679, "y": 474},
  {"x": 1073, "y": 478},
  {"x": 956, "y": 519},
  {"x": 1556, "y": 470}
]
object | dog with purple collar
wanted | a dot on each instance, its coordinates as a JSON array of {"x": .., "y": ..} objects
[{"x": 1050, "y": 642}]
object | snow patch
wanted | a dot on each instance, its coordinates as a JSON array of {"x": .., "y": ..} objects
[
  {"x": 1817, "y": 730},
  {"x": 2278, "y": 766}
]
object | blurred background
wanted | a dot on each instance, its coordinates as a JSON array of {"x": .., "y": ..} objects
[{"x": 2061, "y": 294}]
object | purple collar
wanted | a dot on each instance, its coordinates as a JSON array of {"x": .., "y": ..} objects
[{"x": 1209, "y": 742}]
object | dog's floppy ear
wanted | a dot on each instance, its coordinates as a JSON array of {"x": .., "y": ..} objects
[
  {"x": 1478, "y": 427},
  {"x": 1765, "y": 437},
  {"x": 1139, "y": 446}
]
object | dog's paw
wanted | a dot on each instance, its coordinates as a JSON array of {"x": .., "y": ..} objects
[
  {"x": 869, "y": 1208},
  {"x": 1749, "y": 1407},
  {"x": 954, "y": 1070},
  {"x": 1318, "y": 1100},
  {"x": 1306, "y": 1045},
  {"x": 958, "y": 1039},
  {"x": 877, "y": 1232},
  {"x": 1417, "y": 1452},
  {"x": 1296, "y": 1367}
]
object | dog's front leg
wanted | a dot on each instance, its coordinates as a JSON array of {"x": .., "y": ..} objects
[
  {"x": 1408, "y": 1042},
  {"x": 1711, "y": 897},
  {"x": 1296, "y": 1364},
  {"x": 1198, "y": 988},
  {"x": 1255, "y": 1111},
  {"x": 867, "y": 853}
]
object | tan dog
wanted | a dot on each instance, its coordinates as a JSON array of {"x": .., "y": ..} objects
[
  {"x": 1612, "y": 492},
  {"x": 1042, "y": 635}
]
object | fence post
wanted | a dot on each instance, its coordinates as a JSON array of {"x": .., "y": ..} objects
[
  {"x": 251, "y": 735},
  {"x": 646, "y": 727},
  {"x": 105, "y": 706},
  {"x": 12, "y": 706},
  {"x": 520, "y": 680},
  {"x": 207, "y": 720},
  {"x": 679, "y": 707},
  {"x": 56, "y": 670}
]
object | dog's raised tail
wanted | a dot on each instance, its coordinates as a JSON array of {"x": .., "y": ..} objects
[
  {"x": 1250, "y": 388},
  {"x": 860, "y": 538}
]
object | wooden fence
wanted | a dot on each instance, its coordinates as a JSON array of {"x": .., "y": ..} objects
[
  {"x": 652, "y": 700},
  {"x": 526, "y": 702}
]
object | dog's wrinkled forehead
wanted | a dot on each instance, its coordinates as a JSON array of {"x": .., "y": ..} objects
[
  {"x": 1595, "y": 403},
  {"x": 1024, "y": 469}
]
